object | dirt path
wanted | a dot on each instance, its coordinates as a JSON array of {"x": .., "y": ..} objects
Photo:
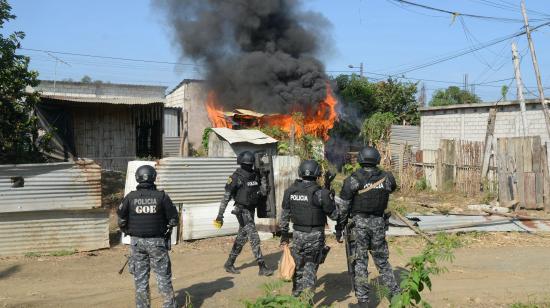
[{"x": 490, "y": 271}]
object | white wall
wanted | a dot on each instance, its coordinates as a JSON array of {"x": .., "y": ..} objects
[{"x": 190, "y": 95}]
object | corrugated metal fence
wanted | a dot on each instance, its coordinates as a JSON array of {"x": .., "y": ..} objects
[
  {"x": 194, "y": 180},
  {"x": 401, "y": 138},
  {"x": 49, "y": 207}
]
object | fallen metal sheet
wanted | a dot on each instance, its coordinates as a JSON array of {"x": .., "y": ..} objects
[
  {"x": 50, "y": 186},
  {"x": 253, "y": 136},
  {"x": 426, "y": 223},
  {"x": 197, "y": 221},
  {"x": 49, "y": 231}
]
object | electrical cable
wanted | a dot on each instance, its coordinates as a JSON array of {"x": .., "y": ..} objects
[{"x": 456, "y": 14}]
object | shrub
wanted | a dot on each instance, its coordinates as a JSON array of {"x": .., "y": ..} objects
[{"x": 421, "y": 267}]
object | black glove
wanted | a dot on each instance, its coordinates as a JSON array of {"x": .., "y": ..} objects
[
  {"x": 123, "y": 225},
  {"x": 338, "y": 235},
  {"x": 285, "y": 238}
]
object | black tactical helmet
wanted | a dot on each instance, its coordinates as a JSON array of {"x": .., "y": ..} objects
[
  {"x": 309, "y": 169},
  {"x": 146, "y": 174},
  {"x": 246, "y": 158},
  {"x": 368, "y": 156}
]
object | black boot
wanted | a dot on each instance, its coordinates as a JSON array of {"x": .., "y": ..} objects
[
  {"x": 264, "y": 270},
  {"x": 230, "y": 267}
]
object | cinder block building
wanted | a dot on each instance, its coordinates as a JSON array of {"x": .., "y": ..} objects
[{"x": 469, "y": 122}]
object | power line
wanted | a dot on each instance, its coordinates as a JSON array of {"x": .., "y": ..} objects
[
  {"x": 456, "y": 14},
  {"x": 469, "y": 50},
  {"x": 109, "y": 57}
]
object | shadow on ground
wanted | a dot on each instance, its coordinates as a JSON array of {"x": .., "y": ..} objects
[
  {"x": 201, "y": 291},
  {"x": 5, "y": 273},
  {"x": 337, "y": 288},
  {"x": 271, "y": 260}
]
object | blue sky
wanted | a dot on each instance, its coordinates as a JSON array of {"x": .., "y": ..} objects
[{"x": 386, "y": 36}]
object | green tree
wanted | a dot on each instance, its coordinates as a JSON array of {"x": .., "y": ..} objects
[
  {"x": 19, "y": 131},
  {"x": 453, "y": 96},
  {"x": 377, "y": 127},
  {"x": 504, "y": 92},
  {"x": 362, "y": 98},
  {"x": 86, "y": 79}
]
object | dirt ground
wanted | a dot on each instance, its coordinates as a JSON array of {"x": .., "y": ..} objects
[{"x": 490, "y": 270}]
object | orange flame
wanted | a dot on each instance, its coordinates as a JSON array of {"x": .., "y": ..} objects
[
  {"x": 317, "y": 122},
  {"x": 215, "y": 112}
]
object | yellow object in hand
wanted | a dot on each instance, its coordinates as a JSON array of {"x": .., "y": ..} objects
[{"x": 218, "y": 224}]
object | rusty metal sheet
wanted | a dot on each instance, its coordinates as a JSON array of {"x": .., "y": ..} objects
[
  {"x": 49, "y": 231},
  {"x": 50, "y": 186}
]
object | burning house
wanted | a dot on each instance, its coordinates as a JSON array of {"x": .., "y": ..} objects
[{"x": 260, "y": 60}]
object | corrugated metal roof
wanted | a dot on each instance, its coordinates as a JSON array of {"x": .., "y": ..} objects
[
  {"x": 243, "y": 135},
  {"x": 51, "y": 186},
  {"x": 121, "y": 100},
  {"x": 249, "y": 113},
  {"x": 48, "y": 231}
]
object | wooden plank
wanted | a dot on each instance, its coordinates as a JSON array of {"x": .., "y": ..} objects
[
  {"x": 527, "y": 154},
  {"x": 536, "y": 148},
  {"x": 546, "y": 177},
  {"x": 517, "y": 144},
  {"x": 539, "y": 189},
  {"x": 529, "y": 190},
  {"x": 502, "y": 171}
]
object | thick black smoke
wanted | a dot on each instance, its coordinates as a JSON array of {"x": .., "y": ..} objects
[{"x": 259, "y": 54}]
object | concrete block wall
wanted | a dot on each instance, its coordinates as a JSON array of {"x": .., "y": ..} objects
[
  {"x": 190, "y": 95},
  {"x": 471, "y": 124},
  {"x": 107, "y": 90}
]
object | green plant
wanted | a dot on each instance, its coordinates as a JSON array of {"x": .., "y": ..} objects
[
  {"x": 350, "y": 168},
  {"x": 20, "y": 141},
  {"x": 274, "y": 131},
  {"x": 397, "y": 207},
  {"x": 206, "y": 138},
  {"x": 377, "y": 128},
  {"x": 421, "y": 184},
  {"x": 489, "y": 190},
  {"x": 421, "y": 267},
  {"x": 62, "y": 253},
  {"x": 273, "y": 298},
  {"x": 188, "y": 303},
  {"x": 33, "y": 254}
]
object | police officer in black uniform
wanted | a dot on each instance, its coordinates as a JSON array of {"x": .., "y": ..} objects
[
  {"x": 307, "y": 205},
  {"x": 148, "y": 216},
  {"x": 365, "y": 196},
  {"x": 247, "y": 189}
]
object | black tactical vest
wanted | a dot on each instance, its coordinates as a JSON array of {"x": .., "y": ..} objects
[
  {"x": 146, "y": 217},
  {"x": 248, "y": 193},
  {"x": 374, "y": 201},
  {"x": 305, "y": 214}
]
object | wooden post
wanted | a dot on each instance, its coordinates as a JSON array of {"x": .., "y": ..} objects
[
  {"x": 519, "y": 84},
  {"x": 184, "y": 134},
  {"x": 488, "y": 146},
  {"x": 536, "y": 67}
]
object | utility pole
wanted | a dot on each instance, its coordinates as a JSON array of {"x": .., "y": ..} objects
[
  {"x": 519, "y": 85},
  {"x": 536, "y": 66},
  {"x": 361, "y": 69}
]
